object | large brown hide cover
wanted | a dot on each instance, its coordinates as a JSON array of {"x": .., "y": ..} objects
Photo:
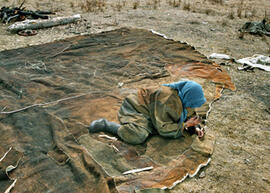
[{"x": 50, "y": 93}]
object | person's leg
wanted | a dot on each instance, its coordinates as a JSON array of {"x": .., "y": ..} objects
[
  {"x": 135, "y": 125},
  {"x": 134, "y": 119},
  {"x": 103, "y": 125},
  {"x": 133, "y": 134},
  {"x": 129, "y": 133}
]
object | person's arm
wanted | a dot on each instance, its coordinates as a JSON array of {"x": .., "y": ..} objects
[
  {"x": 192, "y": 126},
  {"x": 166, "y": 111}
]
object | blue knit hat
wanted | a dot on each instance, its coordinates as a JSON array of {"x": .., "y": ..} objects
[{"x": 190, "y": 93}]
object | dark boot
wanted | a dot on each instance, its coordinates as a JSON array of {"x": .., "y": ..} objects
[{"x": 103, "y": 125}]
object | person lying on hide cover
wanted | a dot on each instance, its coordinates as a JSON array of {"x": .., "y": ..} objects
[{"x": 165, "y": 111}]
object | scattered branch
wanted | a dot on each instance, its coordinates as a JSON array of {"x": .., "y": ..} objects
[
  {"x": 39, "y": 24},
  {"x": 4, "y": 108},
  {"x": 59, "y": 52},
  {"x": 22, "y": 4},
  {"x": 8, "y": 14}
]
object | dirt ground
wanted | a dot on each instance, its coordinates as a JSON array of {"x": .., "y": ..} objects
[{"x": 240, "y": 119}]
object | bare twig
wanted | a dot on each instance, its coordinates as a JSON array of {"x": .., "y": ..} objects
[
  {"x": 19, "y": 13},
  {"x": 59, "y": 52},
  {"x": 5, "y": 154},
  {"x": 22, "y": 109},
  {"x": 4, "y": 108},
  {"x": 115, "y": 148},
  {"x": 12, "y": 17},
  {"x": 138, "y": 170},
  {"x": 22, "y": 4}
]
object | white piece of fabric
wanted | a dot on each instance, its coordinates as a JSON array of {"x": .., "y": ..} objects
[
  {"x": 256, "y": 61},
  {"x": 219, "y": 56}
]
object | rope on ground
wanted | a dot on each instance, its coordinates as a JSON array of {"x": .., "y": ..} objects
[
  {"x": 52, "y": 102},
  {"x": 10, "y": 187},
  {"x": 210, "y": 105}
]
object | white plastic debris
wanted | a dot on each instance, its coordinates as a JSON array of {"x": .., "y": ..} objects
[
  {"x": 120, "y": 84},
  {"x": 108, "y": 137},
  {"x": 219, "y": 56},
  {"x": 138, "y": 170},
  {"x": 160, "y": 34},
  {"x": 202, "y": 174},
  {"x": 256, "y": 61}
]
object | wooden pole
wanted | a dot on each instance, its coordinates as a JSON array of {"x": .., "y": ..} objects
[{"x": 39, "y": 24}]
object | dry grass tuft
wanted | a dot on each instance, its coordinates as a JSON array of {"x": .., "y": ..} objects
[
  {"x": 124, "y": 3},
  {"x": 250, "y": 13},
  {"x": 20, "y": 2},
  {"x": 266, "y": 39},
  {"x": 210, "y": 11},
  {"x": 217, "y": 1},
  {"x": 186, "y": 6},
  {"x": 176, "y": 3},
  {"x": 93, "y": 5},
  {"x": 266, "y": 14},
  {"x": 72, "y": 4},
  {"x": 154, "y": 3},
  {"x": 240, "y": 9},
  {"x": 241, "y": 35},
  {"x": 231, "y": 14},
  {"x": 224, "y": 22},
  {"x": 119, "y": 6},
  {"x": 136, "y": 4}
]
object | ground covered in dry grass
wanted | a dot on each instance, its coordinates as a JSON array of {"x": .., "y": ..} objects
[{"x": 240, "y": 119}]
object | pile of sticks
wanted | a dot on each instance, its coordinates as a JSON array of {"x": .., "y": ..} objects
[{"x": 8, "y": 14}]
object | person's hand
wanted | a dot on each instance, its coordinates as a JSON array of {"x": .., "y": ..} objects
[
  {"x": 199, "y": 132},
  {"x": 193, "y": 121}
]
